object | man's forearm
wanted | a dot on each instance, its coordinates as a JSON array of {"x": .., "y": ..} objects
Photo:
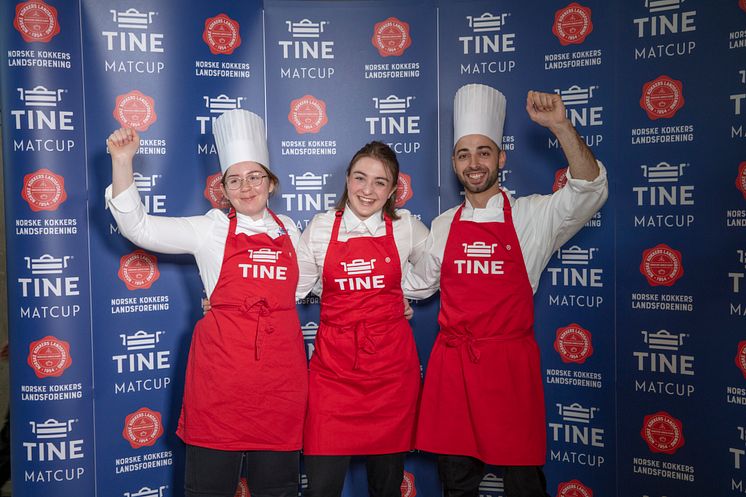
[{"x": 580, "y": 159}]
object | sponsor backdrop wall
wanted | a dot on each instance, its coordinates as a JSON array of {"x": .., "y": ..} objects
[{"x": 640, "y": 317}]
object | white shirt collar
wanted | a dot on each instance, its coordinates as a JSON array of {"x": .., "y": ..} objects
[
  {"x": 245, "y": 224},
  {"x": 353, "y": 224},
  {"x": 492, "y": 212}
]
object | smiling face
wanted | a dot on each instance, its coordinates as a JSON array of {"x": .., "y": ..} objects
[
  {"x": 246, "y": 199},
  {"x": 477, "y": 162},
  {"x": 369, "y": 185}
]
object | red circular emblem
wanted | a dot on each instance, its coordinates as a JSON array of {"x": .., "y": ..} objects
[
  {"x": 662, "y": 97},
  {"x": 243, "y": 488},
  {"x": 391, "y": 37},
  {"x": 741, "y": 178},
  {"x": 661, "y": 265},
  {"x": 742, "y": 4},
  {"x": 741, "y": 357},
  {"x": 403, "y": 189},
  {"x": 573, "y": 488},
  {"x": 214, "y": 194},
  {"x": 135, "y": 110},
  {"x": 221, "y": 34},
  {"x": 573, "y": 343},
  {"x": 49, "y": 356},
  {"x": 407, "y": 485},
  {"x": 36, "y": 21},
  {"x": 142, "y": 428},
  {"x": 308, "y": 114},
  {"x": 43, "y": 190},
  {"x": 662, "y": 432},
  {"x": 138, "y": 270},
  {"x": 560, "y": 179},
  {"x": 572, "y": 24}
]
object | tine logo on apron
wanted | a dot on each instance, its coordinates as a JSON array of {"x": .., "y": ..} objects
[
  {"x": 360, "y": 275},
  {"x": 475, "y": 251},
  {"x": 263, "y": 265}
]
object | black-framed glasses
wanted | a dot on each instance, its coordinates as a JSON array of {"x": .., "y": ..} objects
[{"x": 235, "y": 182}]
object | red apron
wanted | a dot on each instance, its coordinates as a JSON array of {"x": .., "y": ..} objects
[
  {"x": 483, "y": 393},
  {"x": 246, "y": 378},
  {"x": 365, "y": 374}
]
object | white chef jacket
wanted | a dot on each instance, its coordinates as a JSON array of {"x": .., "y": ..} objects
[
  {"x": 202, "y": 236},
  {"x": 543, "y": 224},
  {"x": 410, "y": 236}
]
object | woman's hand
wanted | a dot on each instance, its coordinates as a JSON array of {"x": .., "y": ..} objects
[
  {"x": 206, "y": 306},
  {"x": 408, "y": 311}
]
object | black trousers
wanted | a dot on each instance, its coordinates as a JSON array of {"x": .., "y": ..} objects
[
  {"x": 216, "y": 473},
  {"x": 326, "y": 475},
  {"x": 461, "y": 475}
]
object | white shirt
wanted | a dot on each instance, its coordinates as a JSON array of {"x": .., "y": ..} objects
[
  {"x": 543, "y": 224},
  {"x": 202, "y": 236},
  {"x": 410, "y": 236}
]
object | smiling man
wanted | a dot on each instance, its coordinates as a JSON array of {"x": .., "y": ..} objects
[{"x": 483, "y": 400}]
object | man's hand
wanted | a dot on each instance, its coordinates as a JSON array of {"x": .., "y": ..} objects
[
  {"x": 123, "y": 144},
  {"x": 546, "y": 109}
]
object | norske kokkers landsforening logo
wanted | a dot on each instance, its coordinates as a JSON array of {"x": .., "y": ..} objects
[
  {"x": 572, "y": 24},
  {"x": 662, "y": 432},
  {"x": 560, "y": 179},
  {"x": 661, "y": 265},
  {"x": 573, "y": 488},
  {"x": 142, "y": 428},
  {"x": 36, "y": 21},
  {"x": 138, "y": 270},
  {"x": 573, "y": 343},
  {"x": 43, "y": 190},
  {"x": 214, "y": 194},
  {"x": 741, "y": 178},
  {"x": 391, "y": 37},
  {"x": 662, "y": 97},
  {"x": 221, "y": 34},
  {"x": 308, "y": 114},
  {"x": 408, "y": 488},
  {"x": 403, "y": 189},
  {"x": 49, "y": 357},
  {"x": 135, "y": 110},
  {"x": 741, "y": 357}
]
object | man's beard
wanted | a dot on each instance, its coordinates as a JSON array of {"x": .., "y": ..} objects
[{"x": 489, "y": 183}]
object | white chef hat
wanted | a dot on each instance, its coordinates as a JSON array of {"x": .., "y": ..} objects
[
  {"x": 478, "y": 110},
  {"x": 239, "y": 136}
]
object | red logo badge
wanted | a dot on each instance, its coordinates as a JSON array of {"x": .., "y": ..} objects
[
  {"x": 573, "y": 343},
  {"x": 43, "y": 190},
  {"x": 142, "y": 428},
  {"x": 572, "y": 24},
  {"x": 741, "y": 357},
  {"x": 36, "y": 21},
  {"x": 662, "y": 432},
  {"x": 243, "y": 488},
  {"x": 308, "y": 114},
  {"x": 403, "y": 189},
  {"x": 742, "y": 4},
  {"x": 573, "y": 488},
  {"x": 221, "y": 34},
  {"x": 214, "y": 194},
  {"x": 391, "y": 37},
  {"x": 662, "y": 97},
  {"x": 407, "y": 485},
  {"x": 661, "y": 265},
  {"x": 49, "y": 356},
  {"x": 560, "y": 179},
  {"x": 741, "y": 178},
  {"x": 138, "y": 270},
  {"x": 135, "y": 110}
]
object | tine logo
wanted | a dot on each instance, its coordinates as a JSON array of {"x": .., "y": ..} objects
[
  {"x": 663, "y": 340},
  {"x": 306, "y": 28},
  {"x": 573, "y": 343},
  {"x": 309, "y": 331},
  {"x": 141, "y": 340},
  {"x": 392, "y": 104},
  {"x": 662, "y": 5},
  {"x": 560, "y": 179},
  {"x": 662, "y": 97},
  {"x": 358, "y": 266},
  {"x": 222, "y": 103},
  {"x": 403, "y": 190},
  {"x": 142, "y": 428},
  {"x": 49, "y": 357},
  {"x": 147, "y": 492},
  {"x": 308, "y": 181},
  {"x": 214, "y": 193},
  {"x": 221, "y": 34},
  {"x": 486, "y": 23},
  {"x": 408, "y": 488},
  {"x": 576, "y": 413},
  {"x": 308, "y": 114},
  {"x": 43, "y": 190},
  {"x": 265, "y": 255},
  {"x": 52, "y": 429},
  {"x": 391, "y": 37},
  {"x": 132, "y": 18},
  {"x": 40, "y": 96},
  {"x": 491, "y": 485},
  {"x": 741, "y": 179},
  {"x": 36, "y": 21},
  {"x": 661, "y": 265},
  {"x": 572, "y": 24},
  {"x": 47, "y": 264},
  {"x": 135, "y": 110},
  {"x": 138, "y": 270},
  {"x": 663, "y": 172},
  {"x": 479, "y": 249},
  {"x": 576, "y": 95},
  {"x": 145, "y": 183},
  {"x": 573, "y": 488},
  {"x": 662, "y": 432},
  {"x": 576, "y": 256}
]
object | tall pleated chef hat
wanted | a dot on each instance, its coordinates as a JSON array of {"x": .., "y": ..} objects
[
  {"x": 478, "y": 110},
  {"x": 239, "y": 136}
]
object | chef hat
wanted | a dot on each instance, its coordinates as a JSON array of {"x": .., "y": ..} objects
[
  {"x": 239, "y": 136},
  {"x": 478, "y": 110}
]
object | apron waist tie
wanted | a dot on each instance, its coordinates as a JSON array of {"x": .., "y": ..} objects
[
  {"x": 361, "y": 337},
  {"x": 261, "y": 308},
  {"x": 456, "y": 337}
]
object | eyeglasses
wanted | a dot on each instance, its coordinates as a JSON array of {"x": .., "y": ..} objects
[{"x": 234, "y": 182}]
